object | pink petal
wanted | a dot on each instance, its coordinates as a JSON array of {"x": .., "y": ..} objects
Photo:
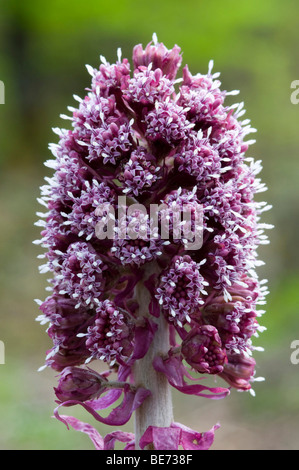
[
  {"x": 105, "y": 401},
  {"x": 175, "y": 371},
  {"x": 78, "y": 425},
  {"x": 154, "y": 308},
  {"x": 101, "y": 444},
  {"x": 176, "y": 436},
  {"x": 143, "y": 338},
  {"x": 161, "y": 438},
  {"x": 111, "y": 438},
  {"x": 119, "y": 415},
  {"x": 193, "y": 440},
  {"x": 132, "y": 281}
]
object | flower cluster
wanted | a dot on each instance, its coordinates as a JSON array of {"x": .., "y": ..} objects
[
  {"x": 110, "y": 337},
  {"x": 181, "y": 290},
  {"x": 154, "y": 139}
]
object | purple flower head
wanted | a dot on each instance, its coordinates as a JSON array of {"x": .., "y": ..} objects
[
  {"x": 199, "y": 159},
  {"x": 140, "y": 172},
  {"x": 167, "y": 124},
  {"x": 148, "y": 86},
  {"x": 181, "y": 217},
  {"x": 202, "y": 349},
  {"x": 202, "y": 96},
  {"x": 67, "y": 324},
  {"x": 136, "y": 252},
  {"x": 151, "y": 230},
  {"x": 237, "y": 323},
  {"x": 228, "y": 139},
  {"x": 110, "y": 142},
  {"x": 81, "y": 274},
  {"x": 93, "y": 111},
  {"x": 83, "y": 217},
  {"x": 69, "y": 176},
  {"x": 110, "y": 336},
  {"x": 181, "y": 290},
  {"x": 136, "y": 244}
]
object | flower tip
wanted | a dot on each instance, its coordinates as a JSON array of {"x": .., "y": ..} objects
[
  {"x": 155, "y": 39},
  {"x": 90, "y": 69},
  {"x": 119, "y": 54},
  {"x": 211, "y": 65}
]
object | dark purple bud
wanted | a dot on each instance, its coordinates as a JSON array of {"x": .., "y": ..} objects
[
  {"x": 202, "y": 349},
  {"x": 239, "y": 371},
  {"x": 79, "y": 384}
]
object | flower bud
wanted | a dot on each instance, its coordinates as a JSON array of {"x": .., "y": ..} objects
[
  {"x": 79, "y": 384},
  {"x": 239, "y": 371},
  {"x": 202, "y": 349}
]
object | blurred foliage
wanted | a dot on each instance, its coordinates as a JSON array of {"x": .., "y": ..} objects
[{"x": 43, "y": 49}]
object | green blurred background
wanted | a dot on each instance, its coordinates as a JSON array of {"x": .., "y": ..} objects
[{"x": 44, "y": 47}]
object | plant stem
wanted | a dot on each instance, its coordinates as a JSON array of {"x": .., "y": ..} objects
[{"x": 157, "y": 408}]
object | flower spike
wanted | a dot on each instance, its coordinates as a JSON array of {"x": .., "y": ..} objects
[{"x": 150, "y": 230}]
